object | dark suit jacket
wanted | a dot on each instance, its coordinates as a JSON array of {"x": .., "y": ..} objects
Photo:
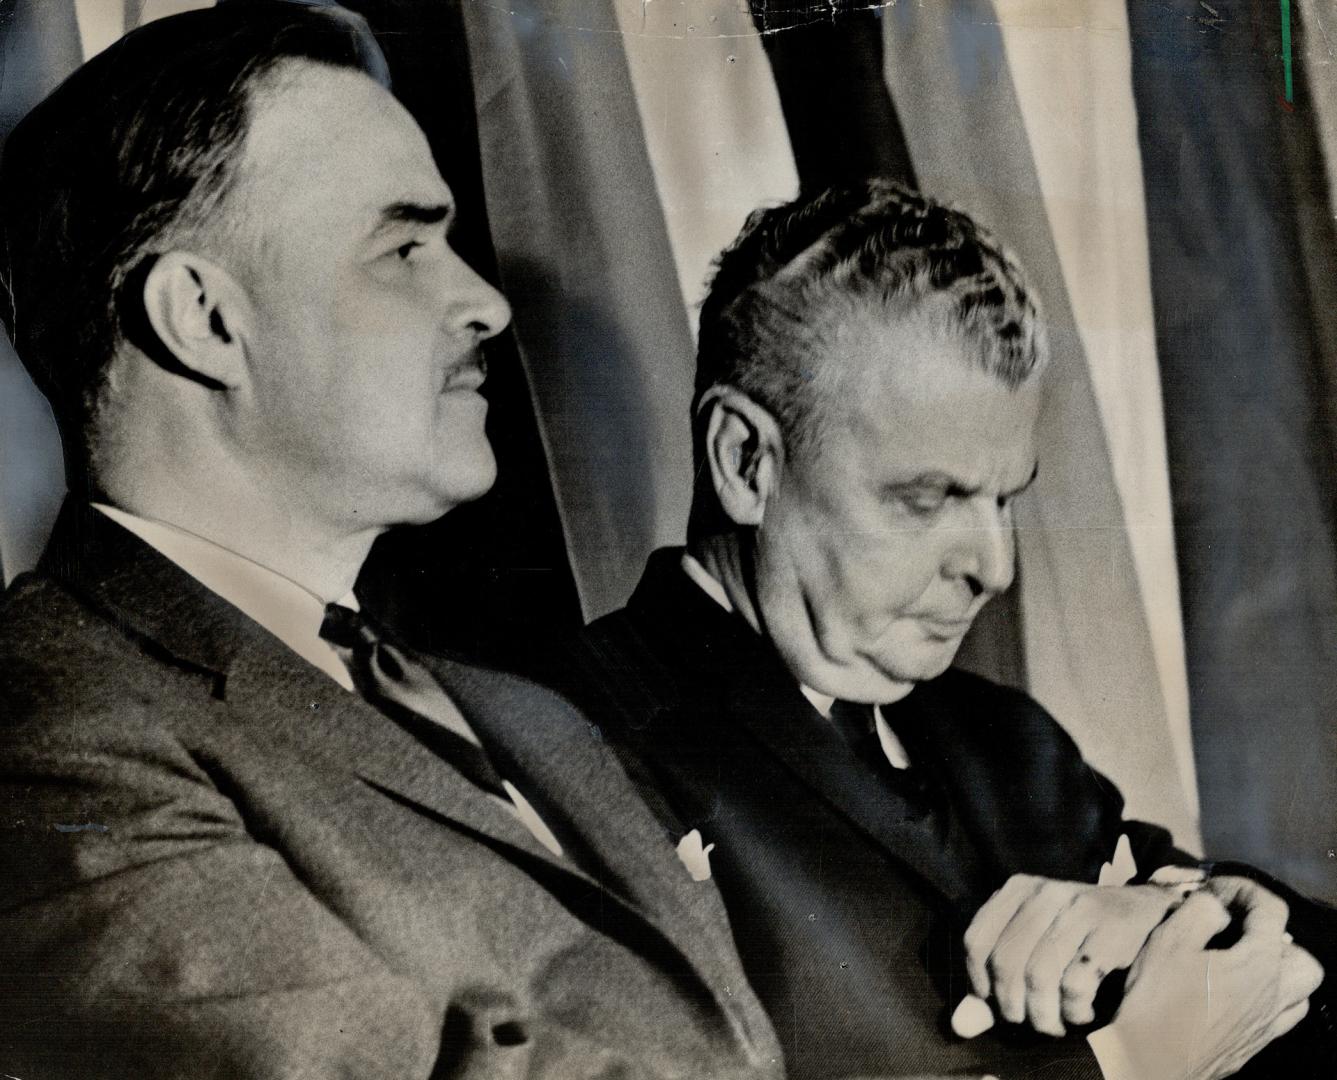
[
  {"x": 217, "y": 863},
  {"x": 847, "y": 912}
]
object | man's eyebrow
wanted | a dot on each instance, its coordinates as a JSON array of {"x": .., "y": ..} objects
[
  {"x": 411, "y": 213},
  {"x": 956, "y": 487}
]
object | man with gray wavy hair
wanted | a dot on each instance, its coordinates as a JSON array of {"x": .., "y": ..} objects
[{"x": 902, "y": 844}]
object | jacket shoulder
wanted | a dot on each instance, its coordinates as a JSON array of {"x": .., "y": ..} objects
[
  {"x": 1003, "y": 715},
  {"x": 62, "y": 661}
]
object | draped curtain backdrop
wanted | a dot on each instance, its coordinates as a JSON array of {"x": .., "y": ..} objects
[{"x": 1162, "y": 170}]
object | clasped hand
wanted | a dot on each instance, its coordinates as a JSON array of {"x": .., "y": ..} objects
[{"x": 1041, "y": 948}]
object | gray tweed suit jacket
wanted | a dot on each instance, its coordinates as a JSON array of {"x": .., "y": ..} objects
[{"x": 214, "y": 862}]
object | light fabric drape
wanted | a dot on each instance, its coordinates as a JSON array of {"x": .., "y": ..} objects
[
  {"x": 713, "y": 129},
  {"x": 45, "y": 42},
  {"x": 1071, "y": 69}
]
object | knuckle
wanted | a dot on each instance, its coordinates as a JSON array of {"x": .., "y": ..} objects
[
  {"x": 1079, "y": 989},
  {"x": 1111, "y": 951},
  {"x": 1085, "y": 906},
  {"x": 1099, "y": 945},
  {"x": 1040, "y": 976},
  {"x": 1301, "y": 1011},
  {"x": 1260, "y": 899},
  {"x": 1050, "y": 890}
]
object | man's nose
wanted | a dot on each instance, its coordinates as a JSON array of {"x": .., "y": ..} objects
[
  {"x": 983, "y": 553},
  {"x": 473, "y": 304}
]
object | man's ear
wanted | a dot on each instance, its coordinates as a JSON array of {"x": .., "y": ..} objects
[
  {"x": 197, "y": 311},
  {"x": 744, "y": 451}
]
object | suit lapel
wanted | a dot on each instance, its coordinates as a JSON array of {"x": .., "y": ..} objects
[
  {"x": 618, "y": 870},
  {"x": 278, "y": 692},
  {"x": 550, "y": 749}
]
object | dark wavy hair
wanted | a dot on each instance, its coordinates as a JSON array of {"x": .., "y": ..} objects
[
  {"x": 797, "y": 271},
  {"x": 136, "y": 149}
]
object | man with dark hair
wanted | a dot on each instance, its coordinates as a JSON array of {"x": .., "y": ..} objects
[
  {"x": 869, "y": 378},
  {"x": 243, "y": 833}
]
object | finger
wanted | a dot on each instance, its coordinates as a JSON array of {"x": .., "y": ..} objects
[
  {"x": 1264, "y": 913},
  {"x": 1054, "y": 954},
  {"x": 1007, "y": 965},
  {"x": 1199, "y": 919},
  {"x": 1111, "y": 946},
  {"x": 988, "y": 925},
  {"x": 1081, "y": 982},
  {"x": 1288, "y": 1020}
]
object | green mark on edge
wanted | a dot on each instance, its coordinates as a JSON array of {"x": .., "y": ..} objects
[{"x": 1286, "y": 48}]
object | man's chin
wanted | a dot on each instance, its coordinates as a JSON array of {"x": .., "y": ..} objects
[
  {"x": 861, "y": 681},
  {"x": 483, "y": 481},
  {"x": 919, "y": 665},
  {"x": 444, "y": 494}
]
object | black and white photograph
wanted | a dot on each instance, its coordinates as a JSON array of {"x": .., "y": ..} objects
[{"x": 668, "y": 539}]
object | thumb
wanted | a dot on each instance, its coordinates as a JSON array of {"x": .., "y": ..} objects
[{"x": 1301, "y": 974}]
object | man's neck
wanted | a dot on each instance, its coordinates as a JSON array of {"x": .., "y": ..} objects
[
  {"x": 721, "y": 557},
  {"x": 274, "y": 534}
]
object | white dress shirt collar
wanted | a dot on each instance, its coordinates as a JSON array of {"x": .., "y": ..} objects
[{"x": 280, "y": 605}]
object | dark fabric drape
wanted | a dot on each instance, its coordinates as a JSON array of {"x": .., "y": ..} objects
[
  {"x": 585, "y": 259},
  {"x": 1232, "y": 182},
  {"x": 841, "y": 120}
]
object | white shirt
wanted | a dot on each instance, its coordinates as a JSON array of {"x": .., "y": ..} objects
[
  {"x": 891, "y": 746},
  {"x": 287, "y": 610}
]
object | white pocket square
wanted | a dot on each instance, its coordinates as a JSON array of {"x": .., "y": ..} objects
[{"x": 695, "y": 856}]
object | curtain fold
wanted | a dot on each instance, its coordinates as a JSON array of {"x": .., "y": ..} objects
[
  {"x": 841, "y": 119},
  {"x": 40, "y": 46},
  {"x": 492, "y": 578},
  {"x": 714, "y": 132},
  {"x": 1071, "y": 71},
  {"x": 586, "y": 262},
  {"x": 1230, "y": 166}
]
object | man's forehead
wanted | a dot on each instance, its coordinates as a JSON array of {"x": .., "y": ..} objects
[
  {"x": 917, "y": 354},
  {"x": 333, "y": 138},
  {"x": 915, "y": 399}
]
